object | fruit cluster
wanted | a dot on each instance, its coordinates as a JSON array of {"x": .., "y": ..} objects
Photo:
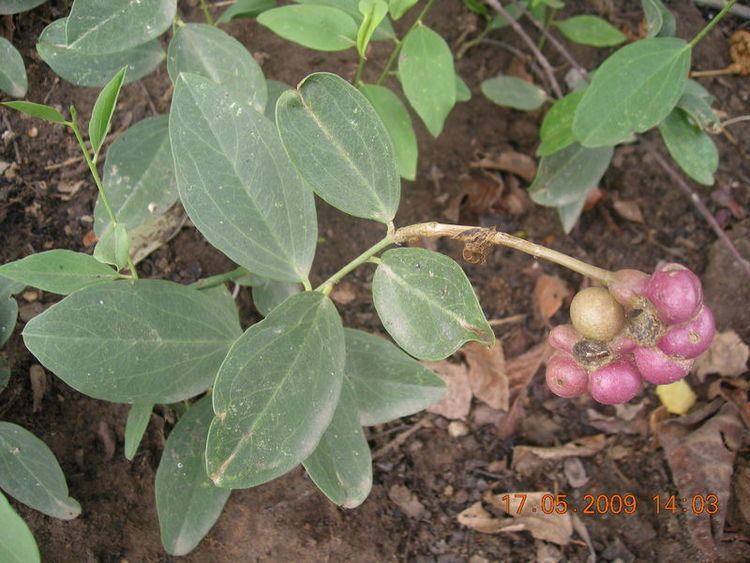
[{"x": 639, "y": 328}]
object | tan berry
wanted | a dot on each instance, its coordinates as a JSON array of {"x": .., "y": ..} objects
[{"x": 596, "y": 315}]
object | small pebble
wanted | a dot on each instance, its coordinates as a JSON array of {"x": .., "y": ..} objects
[
  {"x": 33, "y": 132},
  {"x": 457, "y": 429}
]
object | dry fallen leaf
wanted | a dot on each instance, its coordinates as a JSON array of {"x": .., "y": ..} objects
[
  {"x": 575, "y": 472},
  {"x": 406, "y": 501},
  {"x": 526, "y": 509},
  {"x": 727, "y": 356},
  {"x": 522, "y": 369},
  {"x": 549, "y": 294},
  {"x": 527, "y": 458},
  {"x": 38, "y": 378},
  {"x": 155, "y": 233},
  {"x": 487, "y": 377},
  {"x": 629, "y": 210},
  {"x": 517, "y": 163},
  {"x": 456, "y": 403},
  {"x": 477, "y": 518}
]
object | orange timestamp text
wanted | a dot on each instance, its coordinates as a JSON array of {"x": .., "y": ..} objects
[{"x": 605, "y": 504}]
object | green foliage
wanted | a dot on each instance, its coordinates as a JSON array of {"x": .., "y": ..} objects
[
  {"x": 590, "y": 30},
  {"x": 17, "y": 544},
  {"x": 318, "y": 27},
  {"x": 13, "y": 79},
  {"x": 351, "y": 7},
  {"x": 114, "y": 247},
  {"x": 37, "y": 110},
  {"x": 269, "y": 294},
  {"x": 245, "y": 9},
  {"x": 16, "y": 6},
  {"x": 689, "y": 146},
  {"x": 696, "y": 102},
  {"x": 556, "y": 132},
  {"x": 373, "y": 12},
  {"x": 139, "y": 416},
  {"x": 659, "y": 21},
  {"x": 8, "y": 308},
  {"x": 512, "y": 92},
  {"x": 397, "y": 8},
  {"x": 104, "y": 109},
  {"x": 463, "y": 94}
]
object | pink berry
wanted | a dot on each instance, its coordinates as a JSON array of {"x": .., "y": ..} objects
[
  {"x": 690, "y": 339},
  {"x": 658, "y": 368},
  {"x": 622, "y": 345},
  {"x": 617, "y": 382},
  {"x": 563, "y": 338},
  {"x": 565, "y": 377},
  {"x": 627, "y": 285},
  {"x": 676, "y": 293}
]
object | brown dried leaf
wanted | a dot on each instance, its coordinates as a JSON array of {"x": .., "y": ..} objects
[
  {"x": 477, "y": 518},
  {"x": 517, "y": 163},
  {"x": 555, "y": 528},
  {"x": 406, "y": 501},
  {"x": 727, "y": 356},
  {"x": 528, "y": 458},
  {"x": 742, "y": 492},
  {"x": 152, "y": 235},
  {"x": 521, "y": 369},
  {"x": 549, "y": 294},
  {"x": 487, "y": 377},
  {"x": 575, "y": 472},
  {"x": 456, "y": 403},
  {"x": 628, "y": 209},
  {"x": 38, "y": 378}
]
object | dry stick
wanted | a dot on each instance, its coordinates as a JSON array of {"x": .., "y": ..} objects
[
  {"x": 742, "y": 11},
  {"x": 401, "y": 438},
  {"x": 498, "y": 7},
  {"x": 702, "y": 209},
  {"x": 538, "y": 72}
]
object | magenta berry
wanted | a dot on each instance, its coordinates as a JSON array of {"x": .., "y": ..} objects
[
  {"x": 689, "y": 340},
  {"x": 617, "y": 382},
  {"x": 658, "y": 368},
  {"x": 628, "y": 285},
  {"x": 675, "y": 292},
  {"x": 565, "y": 377},
  {"x": 563, "y": 337}
]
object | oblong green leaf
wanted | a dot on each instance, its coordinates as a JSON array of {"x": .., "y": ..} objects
[
  {"x": 696, "y": 102},
  {"x": 632, "y": 91},
  {"x": 383, "y": 32},
  {"x": 512, "y": 92},
  {"x": 31, "y": 475},
  {"x": 114, "y": 247},
  {"x": 397, "y": 8},
  {"x": 397, "y": 122},
  {"x": 104, "y": 109},
  {"x": 373, "y": 12},
  {"x": 689, "y": 146},
  {"x": 104, "y": 26},
  {"x": 463, "y": 94},
  {"x": 37, "y": 110},
  {"x": 556, "y": 132},
  {"x": 17, "y": 544},
  {"x": 659, "y": 21},
  {"x": 590, "y": 30},
  {"x": 59, "y": 271},
  {"x": 569, "y": 213},
  {"x": 187, "y": 502},
  {"x": 340, "y": 146},
  {"x": 209, "y": 52},
  {"x": 427, "y": 304},
  {"x": 237, "y": 184},
  {"x": 567, "y": 175},
  {"x": 13, "y": 79},
  {"x": 245, "y": 9},
  {"x": 129, "y": 342},
  {"x": 91, "y": 68},
  {"x": 8, "y": 317},
  {"x": 318, "y": 27},
  {"x": 16, "y": 6},
  {"x": 139, "y": 416},
  {"x": 138, "y": 176},
  {"x": 341, "y": 465},
  {"x": 276, "y": 392},
  {"x": 425, "y": 68},
  {"x": 269, "y": 294},
  {"x": 387, "y": 383}
]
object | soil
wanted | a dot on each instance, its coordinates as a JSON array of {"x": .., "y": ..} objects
[{"x": 288, "y": 519}]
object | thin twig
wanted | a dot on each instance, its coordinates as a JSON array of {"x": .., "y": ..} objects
[
  {"x": 65, "y": 163},
  {"x": 401, "y": 438},
  {"x": 548, "y": 71},
  {"x": 742, "y": 11},
  {"x": 12, "y": 138},
  {"x": 151, "y": 105},
  {"x": 538, "y": 72}
]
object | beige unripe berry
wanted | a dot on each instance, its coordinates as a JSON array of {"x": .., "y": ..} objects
[{"x": 596, "y": 315}]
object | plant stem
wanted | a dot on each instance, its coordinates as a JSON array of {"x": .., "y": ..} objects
[
  {"x": 218, "y": 279},
  {"x": 710, "y": 25},
  {"x": 360, "y": 68},
  {"x": 327, "y": 285},
  {"x": 474, "y": 42},
  {"x": 207, "y": 13},
  {"x": 397, "y": 49}
]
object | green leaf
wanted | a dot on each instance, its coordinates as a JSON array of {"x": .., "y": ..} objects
[
  {"x": 139, "y": 416},
  {"x": 557, "y": 128},
  {"x": 237, "y": 184},
  {"x": 130, "y": 342},
  {"x": 659, "y": 21},
  {"x": 341, "y": 465},
  {"x": 515, "y": 10},
  {"x": 397, "y": 121},
  {"x": 104, "y": 109},
  {"x": 17, "y": 544},
  {"x": 209, "y": 52},
  {"x": 425, "y": 68},
  {"x": 245, "y": 9},
  {"x": 632, "y": 91},
  {"x": 4, "y": 373},
  {"x": 463, "y": 94},
  {"x": 340, "y": 146},
  {"x": 59, "y": 271},
  {"x": 689, "y": 146},
  {"x": 275, "y": 89},
  {"x": 512, "y": 92},
  {"x": 16, "y": 6},
  {"x": 318, "y": 27},
  {"x": 103, "y": 26},
  {"x": 590, "y": 30},
  {"x": 427, "y": 304},
  {"x": 388, "y": 383},
  {"x": 8, "y": 308},
  {"x": 138, "y": 176},
  {"x": 384, "y": 32},
  {"x": 187, "y": 501},
  {"x": 37, "y": 110},
  {"x": 10, "y": 287},
  {"x": 397, "y": 8},
  {"x": 13, "y": 79},
  {"x": 477, "y": 7},
  {"x": 696, "y": 102},
  {"x": 269, "y": 294},
  {"x": 85, "y": 67},
  {"x": 570, "y": 213},
  {"x": 373, "y": 12},
  {"x": 30, "y": 473},
  {"x": 113, "y": 247},
  {"x": 276, "y": 392},
  {"x": 567, "y": 175}
]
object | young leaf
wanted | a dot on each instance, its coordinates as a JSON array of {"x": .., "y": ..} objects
[
  {"x": 397, "y": 122},
  {"x": 130, "y": 342},
  {"x": 387, "y": 383},
  {"x": 339, "y": 145},
  {"x": 632, "y": 91},
  {"x": 373, "y": 12},
  {"x": 276, "y": 392},
  {"x": 690, "y": 147},
  {"x": 103, "y": 26},
  {"x": 557, "y": 128},
  {"x": 237, "y": 184},
  {"x": 8, "y": 317},
  {"x": 209, "y": 52},
  {"x": 113, "y": 247},
  {"x": 37, "y": 110},
  {"x": 512, "y": 92},
  {"x": 427, "y": 304},
  {"x": 318, "y": 27},
  {"x": 341, "y": 465},
  {"x": 570, "y": 213},
  {"x": 269, "y": 294},
  {"x": 187, "y": 502},
  {"x": 138, "y": 176},
  {"x": 275, "y": 89},
  {"x": 139, "y": 416},
  {"x": 397, "y": 8},
  {"x": 13, "y": 79},
  {"x": 245, "y": 9},
  {"x": 32, "y": 475},
  {"x": 17, "y": 544},
  {"x": 85, "y": 67},
  {"x": 567, "y": 175},
  {"x": 659, "y": 21},
  {"x": 463, "y": 94},
  {"x": 16, "y": 6},
  {"x": 104, "y": 109},
  {"x": 696, "y": 102},
  {"x": 58, "y": 271},
  {"x": 590, "y": 30},
  {"x": 383, "y": 32},
  {"x": 425, "y": 68}
]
